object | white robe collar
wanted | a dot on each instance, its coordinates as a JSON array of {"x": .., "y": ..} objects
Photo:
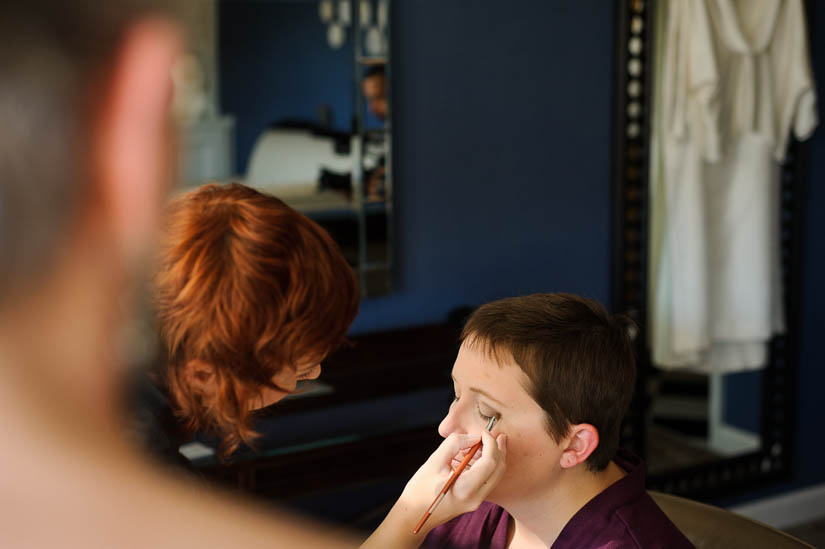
[
  {"x": 754, "y": 78},
  {"x": 733, "y": 34}
]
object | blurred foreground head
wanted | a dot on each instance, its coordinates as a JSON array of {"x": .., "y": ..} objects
[
  {"x": 83, "y": 104},
  {"x": 85, "y": 88},
  {"x": 85, "y": 159}
]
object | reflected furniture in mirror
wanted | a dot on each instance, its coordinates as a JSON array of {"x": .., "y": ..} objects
[
  {"x": 702, "y": 436},
  {"x": 294, "y": 101}
]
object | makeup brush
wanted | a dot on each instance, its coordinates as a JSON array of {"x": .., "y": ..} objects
[{"x": 475, "y": 448}]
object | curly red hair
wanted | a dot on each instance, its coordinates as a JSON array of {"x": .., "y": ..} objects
[{"x": 249, "y": 286}]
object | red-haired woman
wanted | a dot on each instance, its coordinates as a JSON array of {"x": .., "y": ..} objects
[{"x": 251, "y": 296}]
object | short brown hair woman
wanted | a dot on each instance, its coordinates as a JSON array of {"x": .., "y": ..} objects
[{"x": 251, "y": 295}]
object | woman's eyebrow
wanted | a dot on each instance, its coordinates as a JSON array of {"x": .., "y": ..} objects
[
  {"x": 481, "y": 392},
  {"x": 488, "y": 395}
]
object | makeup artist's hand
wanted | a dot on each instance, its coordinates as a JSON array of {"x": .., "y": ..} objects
[
  {"x": 471, "y": 487},
  {"x": 469, "y": 490}
]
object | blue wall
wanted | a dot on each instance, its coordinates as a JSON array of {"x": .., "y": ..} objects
[
  {"x": 501, "y": 151},
  {"x": 274, "y": 63}
]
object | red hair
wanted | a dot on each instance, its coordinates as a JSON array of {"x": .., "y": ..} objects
[{"x": 249, "y": 286}]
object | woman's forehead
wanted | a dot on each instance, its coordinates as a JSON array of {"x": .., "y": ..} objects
[{"x": 478, "y": 370}]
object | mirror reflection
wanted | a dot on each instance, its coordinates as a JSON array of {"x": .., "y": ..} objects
[
  {"x": 697, "y": 418},
  {"x": 718, "y": 295},
  {"x": 292, "y": 98}
]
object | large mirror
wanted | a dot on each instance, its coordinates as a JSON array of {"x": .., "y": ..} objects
[
  {"x": 707, "y": 424},
  {"x": 292, "y": 97}
]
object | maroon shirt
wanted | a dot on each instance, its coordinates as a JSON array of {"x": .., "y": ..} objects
[{"x": 622, "y": 516}]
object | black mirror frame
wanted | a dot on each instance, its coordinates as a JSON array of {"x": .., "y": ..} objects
[{"x": 628, "y": 277}]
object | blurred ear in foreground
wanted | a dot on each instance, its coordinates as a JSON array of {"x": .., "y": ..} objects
[{"x": 135, "y": 137}]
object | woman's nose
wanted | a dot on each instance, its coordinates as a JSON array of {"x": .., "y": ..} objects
[
  {"x": 450, "y": 423},
  {"x": 315, "y": 372}
]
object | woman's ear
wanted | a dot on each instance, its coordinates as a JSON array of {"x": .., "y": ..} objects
[
  {"x": 134, "y": 136},
  {"x": 201, "y": 377},
  {"x": 580, "y": 443}
]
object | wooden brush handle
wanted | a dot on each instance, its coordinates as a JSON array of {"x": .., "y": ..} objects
[{"x": 463, "y": 465}]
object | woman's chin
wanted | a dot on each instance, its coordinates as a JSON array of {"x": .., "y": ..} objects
[{"x": 270, "y": 397}]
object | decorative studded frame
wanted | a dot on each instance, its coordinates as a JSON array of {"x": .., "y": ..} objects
[{"x": 629, "y": 286}]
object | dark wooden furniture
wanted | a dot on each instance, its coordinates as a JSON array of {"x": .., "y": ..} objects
[{"x": 374, "y": 366}]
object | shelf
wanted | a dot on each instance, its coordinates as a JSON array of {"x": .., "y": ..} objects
[
  {"x": 372, "y": 60},
  {"x": 372, "y": 267}
]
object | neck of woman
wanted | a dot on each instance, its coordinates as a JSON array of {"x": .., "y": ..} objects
[{"x": 537, "y": 520}]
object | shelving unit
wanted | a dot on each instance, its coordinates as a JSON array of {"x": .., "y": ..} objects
[{"x": 375, "y": 219}]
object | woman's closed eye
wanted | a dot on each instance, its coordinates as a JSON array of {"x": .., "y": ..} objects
[
  {"x": 487, "y": 414},
  {"x": 484, "y": 413}
]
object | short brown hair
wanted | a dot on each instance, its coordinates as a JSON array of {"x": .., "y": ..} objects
[
  {"x": 577, "y": 357},
  {"x": 249, "y": 286}
]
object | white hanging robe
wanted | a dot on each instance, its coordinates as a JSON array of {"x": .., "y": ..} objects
[{"x": 735, "y": 81}]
